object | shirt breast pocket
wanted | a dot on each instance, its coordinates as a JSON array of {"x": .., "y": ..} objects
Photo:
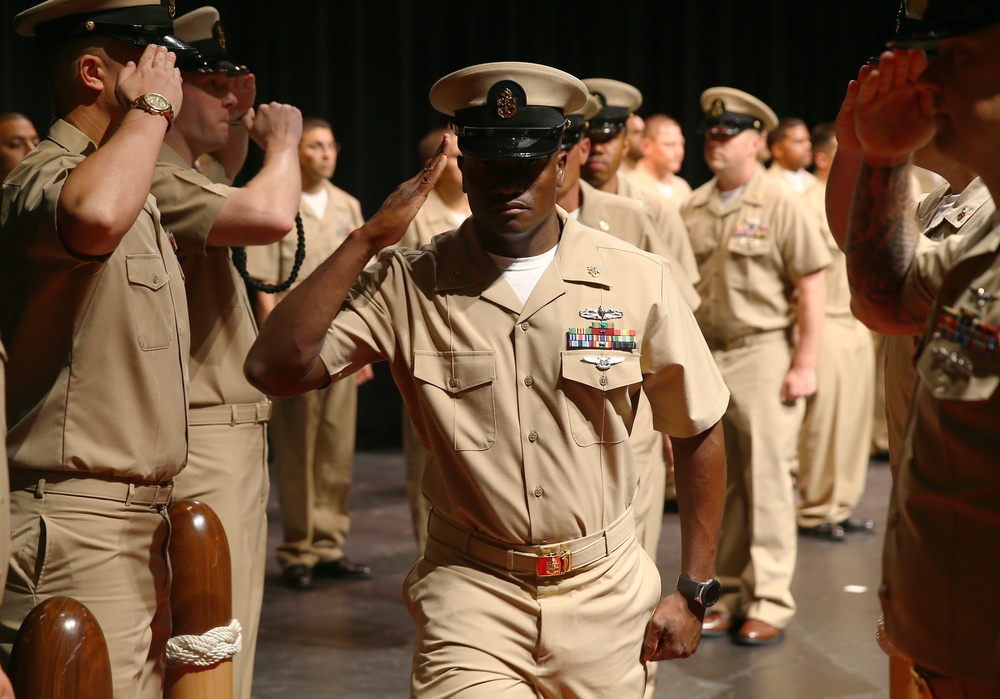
[
  {"x": 597, "y": 392},
  {"x": 150, "y": 299},
  {"x": 951, "y": 372},
  {"x": 458, "y": 388}
]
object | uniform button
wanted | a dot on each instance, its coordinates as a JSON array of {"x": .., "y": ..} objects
[
  {"x": 539, "y": 492},
  {"x": 524, "y": 326},
  {"x": 453, "y": 277},
  {"x": 604, "y": 379},
  {"x": 532, "y": 436},
  {"x": 453, "y": 382},
  {"x": 528, "y": 381},
  {"x": 156, "y": 278}
]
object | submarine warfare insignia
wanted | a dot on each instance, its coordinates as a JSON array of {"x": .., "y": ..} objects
[{"x": 601, "y": 313}]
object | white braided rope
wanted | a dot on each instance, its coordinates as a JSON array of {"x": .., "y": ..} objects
[{"x": 207, "y": 649}]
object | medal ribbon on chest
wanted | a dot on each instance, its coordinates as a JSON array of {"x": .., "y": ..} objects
[
  {"x": 964, "y": 327},
  {"x": 601, "y": 333}
]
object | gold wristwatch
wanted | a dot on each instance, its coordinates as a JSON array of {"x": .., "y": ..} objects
[{"x": 155, "y": 103}]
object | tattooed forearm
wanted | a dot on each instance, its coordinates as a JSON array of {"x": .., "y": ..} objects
[{"x": 881, "y": 240}]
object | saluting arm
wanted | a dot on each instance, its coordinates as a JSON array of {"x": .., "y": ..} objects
[
  {"x": 893, "y": 118},
  {"x": 104, "y": 195},
  {"x": 285, "y": 359},
  {"x": 846, "y": 164},
  {"x": 263, "y": 211}
]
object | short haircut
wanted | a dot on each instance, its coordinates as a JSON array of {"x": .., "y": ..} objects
[
  {"x": 312, "y": 122},
  {"x": 824, "y": 135},
  {"x": 429, "y": 144},
  {"x": 11, "y": 116},
  {"x": 657, "y": 122},
  {"x": 782, "y": 129}
]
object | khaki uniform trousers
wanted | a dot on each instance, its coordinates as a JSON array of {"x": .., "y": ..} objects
[
  {"x": 485, "y": 632},
  {"x": 836, "y": 433},
  {"x": 416, "y": 458},
  {"x": 758, "y": 545},
  {"x": 313, "y": 440},
  {"x": 227, "y": 470},
  {"x": 880, "y": 426},
  {"x": 108, "y": 555}
]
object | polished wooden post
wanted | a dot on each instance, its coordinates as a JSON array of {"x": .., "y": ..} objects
[
  {"x": 200, "y": 596},
  {"x": 60, "y": 653}
]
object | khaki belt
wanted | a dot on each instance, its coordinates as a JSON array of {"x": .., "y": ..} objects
[
  {"x": 730, "y": 343},
  {"x": 235, "y": 414},
  {"x": 84, "y": 485},
  {"x": 545, "y": 561}
]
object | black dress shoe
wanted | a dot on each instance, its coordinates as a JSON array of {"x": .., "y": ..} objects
[
  {"x": 828, "y": 531},
  {"x": 852, "y": 525},
  {"x": 297, "y": 577},
  {"x": 342, "y": 569}
]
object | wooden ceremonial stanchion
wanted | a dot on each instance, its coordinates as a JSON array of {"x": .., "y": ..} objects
[
  {"x": 200, "y": 597},
  {"x": 60, "y": 653},
  {"x": 901, "y": 684}
]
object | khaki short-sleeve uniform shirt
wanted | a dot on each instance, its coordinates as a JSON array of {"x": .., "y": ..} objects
[
  {"x": 222, "y": 325},
  {"x": 98, "y": 347},
  {"x": 628, "y": 220},
  {"x": 323, "y": 236},
  {"x": 434, "y": 217},
  {"x": 750, "y": 255},
  {"x": 944, "y": 516},
  {"x": 678, "y": 190},
  {"x": 525, "y": 407},
  {"x": 838, "y": 290},
  {"x": 666, "y": 216}
]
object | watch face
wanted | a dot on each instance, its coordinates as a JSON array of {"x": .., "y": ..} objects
[
  {"x": 157, "y": 102},
  {"x": 711, "y": 593}
]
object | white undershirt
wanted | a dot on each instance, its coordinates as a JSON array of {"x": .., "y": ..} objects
[
  {"x": 729, "y": 197},
  {"x": 318, "y": 201},
  {"x": 797, "y": 179},
  {"x": 944, "y": 207},
  {"x": 523, "y": 273}
]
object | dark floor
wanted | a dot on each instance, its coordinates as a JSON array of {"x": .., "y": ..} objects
[{"x": 352, "y": 640}]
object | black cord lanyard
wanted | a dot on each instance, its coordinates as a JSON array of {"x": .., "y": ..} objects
[{"x": 240, "y": 260}]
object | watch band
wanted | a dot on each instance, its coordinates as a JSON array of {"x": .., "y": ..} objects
[{"x": 705, "y": 593}]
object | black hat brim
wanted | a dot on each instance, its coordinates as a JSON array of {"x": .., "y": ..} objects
[{"x": 509, "y": 146}]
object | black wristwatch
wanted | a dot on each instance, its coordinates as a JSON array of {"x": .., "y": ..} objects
[{"x": 704, "y": 593}]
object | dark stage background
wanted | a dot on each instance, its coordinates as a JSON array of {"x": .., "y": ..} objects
[{"x": 367, "y": 67}]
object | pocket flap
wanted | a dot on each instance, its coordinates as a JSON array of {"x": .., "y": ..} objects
[
  {"x": 147, "y": 270},
  {"x": 614, "y": 371},
  {"x": 454, "y": 372}
]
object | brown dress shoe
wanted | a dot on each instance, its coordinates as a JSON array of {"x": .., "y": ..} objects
[
  {"x": 716, "y": 624},
  {"x": 757, "y": 633}
]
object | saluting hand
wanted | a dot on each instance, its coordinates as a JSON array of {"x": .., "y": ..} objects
[
  {"x": 846, "y": 132},
  {"x": 155, "y": 72},
  {"x": 894, "y": 114},
  {"x": 390, "y": 222},
  {"x": 274, "y": 125}
]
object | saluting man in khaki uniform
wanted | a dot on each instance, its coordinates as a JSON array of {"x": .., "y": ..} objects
[
  {"x": 445, "y": 210},
  {"x": 228, "y": 416},
  {"x": 95, "y": 318},
  {"x": 313, "y": 434},
  {"x": 758, "y": 248},
  {"x": 944, "y": 516},
  {"x": 519, "y": 343}
]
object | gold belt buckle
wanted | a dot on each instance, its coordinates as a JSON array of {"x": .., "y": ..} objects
[{"x": 555, "y": 563}]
